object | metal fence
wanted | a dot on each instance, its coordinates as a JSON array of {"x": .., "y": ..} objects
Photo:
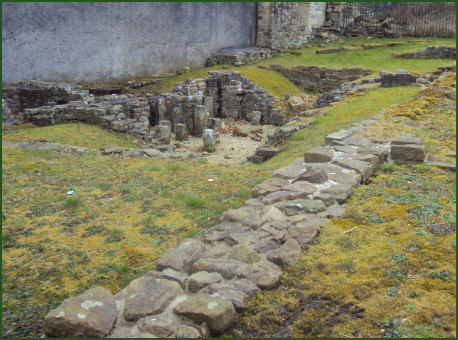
[{"x": 396, "y": 19}]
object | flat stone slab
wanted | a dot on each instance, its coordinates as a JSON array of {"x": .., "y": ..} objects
[
  {"x": 301, "y": 206},
  {"x": 318, "y": 155},
  {"x": 301, "y": 186},
  {"x": 337, "y": 137},
  {"x": 408, "y": 152},
  {"x": 381, "y": 153},
  {"x": 292, "y": 170},
  {"x": 406, "y": 140},
  {"x": 162, "y": 325},
  {"x": 217, "y": 312},
  {"x": 339, "y": 191},
  {"x": 130, "y": 330},
  {"x": 244, "y": 238},
  {"x": 363, "y": 168},
  {"x": 283, "y": 195},
  {"x": 268, "y": 186},
  {"x": 147, "y": 295},
  {"x": 444, "y": 165},
  {"x": 350, "y": 177},
  {"x": 226, "y": 267},
  {"x": 91, "y": 315},
  {"x": 246, "y": 215}
]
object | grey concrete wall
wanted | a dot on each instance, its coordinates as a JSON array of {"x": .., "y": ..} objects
[{"x": 105, "y": 41}]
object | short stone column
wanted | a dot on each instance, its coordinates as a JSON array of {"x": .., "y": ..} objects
[
  {"x": 163, "y": 133},
  {"x": 200, "y": 120},
  {"x": 180, "y": 132},
  {"x": 209, "y": 140}
]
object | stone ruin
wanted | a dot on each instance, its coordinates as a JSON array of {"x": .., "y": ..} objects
[
  {"x": 200, "y": 286},
  {"x": 431, "y": 52},
  {"x": 191, "y": 107}
]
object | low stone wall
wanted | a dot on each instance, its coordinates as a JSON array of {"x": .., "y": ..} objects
[
  {"x": 320, "y": 79},
  {"x": 238, "y": 56},
  {"x": 199, "y": 286},
  {"x": 193, "y": 103},
  {"x": 432, "y": 52}
]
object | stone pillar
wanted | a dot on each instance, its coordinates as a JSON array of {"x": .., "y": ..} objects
[
  {"x": 200, "y": 120},
  {"x": 180, "y": 132},
  {"x": 163, "y": 133},
  {"x": 166, "y": 123},
  {"x": 209, "y": 140}
]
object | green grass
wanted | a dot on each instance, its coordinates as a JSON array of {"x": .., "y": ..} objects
[{"x": 79, "y": 134}]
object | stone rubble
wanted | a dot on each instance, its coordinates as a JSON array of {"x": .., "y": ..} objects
[{"x": 200, "y": 285}]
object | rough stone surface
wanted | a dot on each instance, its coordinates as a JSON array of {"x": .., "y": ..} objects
[
  {"x": 301, "y": 206},
  {"x": 312, "y": 175},
  {"x": 287, "y": 255},
  {"x": 201, "y": 279},
  {"x": 92, "y": 314},
  {"x": 147, "y": 295},
  {"x": 318, "y": 155},
  {"x": 264, "y": 274},
  {"x": 408, "y": 153},
  {"x": 218, "y": 313},
  {"x": 283, "y": 195},
  {"x": 363, "y": 168},
  {"x": 177, "y": 258},
  {"x": 208, "y": 140},
  {"x": 248, "y": 216},
  {"x": 189, "y": 332},
  {"x": 226, "y": 267},
  {"x": 238, "y": 291},
  {"x": 244, "y": 253}
]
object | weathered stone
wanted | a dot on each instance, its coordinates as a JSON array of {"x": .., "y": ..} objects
[
  {"x": 181, "y": 132},
  {"x": 363, "y": 168},
  {"x": 152, "y": 152},
  {"x": 200, "y": 120},
  {"x": 170, "y": 274},
  {"x": 272, "y": 213},
  {"x": 92, "y": 314},
  {"x": 163, "y": 133},
  {"x": 318, "y": 155},
  {"x": 244, "y": 253},
  {"x": 312, "y": 175},
  {"x": 268, "y": 186},
  {"x": 245, "y": 215},
  {"x": 292, "y": 170},
  {"x": 381, "y": 153},
  {"x": 226, "y": 267},
  {"x": 253, "y": 202},
  {"x": 301, "y": 206},
  {"x": 220, "y": 249},
  {"x": 201, "y": 279},
  {"x": 332, "y": 211},
  {"x": 300, "y": 186},
  {"x": 177, "y": 258},
  {"x": 254, "y": 117},
  {"x": 401, "y": 77},
  {"x": 287, "y": 255},
  {"x": 304, "y": 232},
  {"x": 166, "y": 123},
  {"x": 326, "y": 198},
  {"x": 349, "y": 177},
  {"x": 218, "y": 313},
  {"x": 209, "y": 140},
  {"x": 408, "y": 152},
  {"x": 337, "y": 137},
  {"x": 187, "y": 332},
  {"x": 273, "y": 232},
  {"x": 147, "y": 295},
  {"x": 239, "y": 292},
  {"x": 130, "y": 330},
  {"x": 444, "y": 165},
  {"x": 264, "y": 274},
  {"x": 373, "y": 159},
  {"x": 282, "y": 196},
  {"x": 243, "y": 238},
  {"x": 345, "y": 149},
  {"x": 162, "y": 325},
  {"x": 339, "y": 191},
  {"x": 264, "y": 245}
]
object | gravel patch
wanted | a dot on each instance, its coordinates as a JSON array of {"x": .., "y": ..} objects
[{"x": 233, "y": 150}]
